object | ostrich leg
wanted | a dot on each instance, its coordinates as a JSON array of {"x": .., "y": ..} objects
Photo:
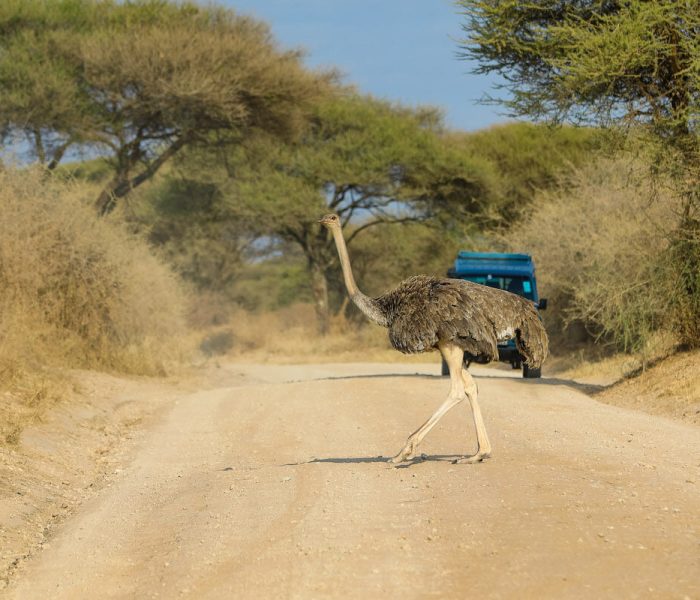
[
  {"x": 454, "y": 356},
  {"x": 484, "y": 446}
]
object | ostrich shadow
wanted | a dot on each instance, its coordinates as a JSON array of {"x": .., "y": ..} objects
[
  {"x": 589, "y": 389},
  {"x": 379, "y": 376},
  {"x": 354, "y": 460}
]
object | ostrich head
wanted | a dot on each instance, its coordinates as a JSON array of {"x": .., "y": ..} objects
[{"x": 331, "y": 221}]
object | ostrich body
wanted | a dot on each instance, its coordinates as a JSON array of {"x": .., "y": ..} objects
[{"x": 455, "y": 317}]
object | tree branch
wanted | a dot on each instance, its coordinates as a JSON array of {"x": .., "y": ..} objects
[
  {"x": 379, "y": 221},
  {"x": 157, "y": 163},
  {"x": 39, "y": 146},
  {"x": 122, "y": 185},
  {"x": 294, "y": 236},
  {"x": 58, "y": 154}
]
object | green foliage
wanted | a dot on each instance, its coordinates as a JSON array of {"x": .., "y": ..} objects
[
  {"x": 95, "y": 171},
  {"x": 592, "y": 61},
  {"x": 188, "y": 221},
  {"x": 140, "y": 80},
  {"x": 356, "y": 156},
  {"x": 528, "y": 158},
  {"x": 272, "y": 283},
  {"x": 681, "y": 263},
  {"x": 382, "y": 257},
  {"x": 195, "y": 228},
  {"x": 633, "y": 63}
]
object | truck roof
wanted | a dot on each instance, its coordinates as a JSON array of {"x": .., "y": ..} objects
[{"x": 493, "y": 263}]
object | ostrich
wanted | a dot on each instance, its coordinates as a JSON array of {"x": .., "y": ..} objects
[{"x": 456, "y": 317}]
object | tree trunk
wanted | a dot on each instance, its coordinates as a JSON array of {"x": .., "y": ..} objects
[
  {"x": 319, "y": 285},
  {"x": 685, "y": 254},
  {"x": 107, "y": 200}
]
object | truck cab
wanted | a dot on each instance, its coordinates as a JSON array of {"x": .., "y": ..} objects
[{"x": 513, "y": 273}]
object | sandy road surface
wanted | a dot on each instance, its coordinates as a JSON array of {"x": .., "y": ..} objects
[{"x": 274, "y": 488}]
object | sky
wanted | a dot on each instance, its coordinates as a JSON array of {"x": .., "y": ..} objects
[{"x": 401, "y": 50}]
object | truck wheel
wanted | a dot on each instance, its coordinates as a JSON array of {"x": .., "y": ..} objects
[
  {"x": 516, "y": 364},
  {"x": 531, "y": 373}
]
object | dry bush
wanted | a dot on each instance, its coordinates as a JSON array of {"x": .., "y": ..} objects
[
  {"x": 207, "y": 309},
  {"x": 600, "y": 243},
  {"x": 75, "y": 291}
]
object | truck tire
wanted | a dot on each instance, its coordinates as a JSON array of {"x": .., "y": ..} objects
[{"x": 529, "y": 373}]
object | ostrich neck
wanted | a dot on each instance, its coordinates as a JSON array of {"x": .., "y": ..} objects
[
  {"x": 345, "y": 262},
  {"x": 367, "y": 305}
]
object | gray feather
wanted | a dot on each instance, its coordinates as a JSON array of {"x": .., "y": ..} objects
[{"x": 423, "y": 311}]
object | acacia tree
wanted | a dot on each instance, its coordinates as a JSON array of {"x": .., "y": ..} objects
[
  {"x": 138, "y": 81},
  {"x": 371, "y": 162},
  {"x": 634, "y": 65}
]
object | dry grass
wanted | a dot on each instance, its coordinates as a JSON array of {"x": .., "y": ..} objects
[
  {"x": 580, "y": 366},
  {"x": 75, "y": 292},
  {"x": 670, "y": 387},
  {"x": 289, "y": 335},
  {"x": 597, "y": 364}
]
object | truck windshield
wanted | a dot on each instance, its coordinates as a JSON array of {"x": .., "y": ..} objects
[{"x": 522, "y": 286}]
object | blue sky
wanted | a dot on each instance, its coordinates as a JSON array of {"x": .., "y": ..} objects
[{"x": 402, "y": 50}]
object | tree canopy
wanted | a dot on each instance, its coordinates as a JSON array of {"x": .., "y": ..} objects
[
  {"x": 592, "y": 61},
  {"x": 138, "y": 81},
  {"x": 525, "y": 158}
]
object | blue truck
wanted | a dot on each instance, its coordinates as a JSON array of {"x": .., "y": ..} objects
[{"x": 511, "y": 272}]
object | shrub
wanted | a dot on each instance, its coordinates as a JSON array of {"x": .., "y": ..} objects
[
  {"x": 601, "y": 242},
  {"x": 75, "y": 291},
  {"x": 91, "y": 294}
]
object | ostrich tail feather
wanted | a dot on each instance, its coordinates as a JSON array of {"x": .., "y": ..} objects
[{"x": 532, "y": 341}]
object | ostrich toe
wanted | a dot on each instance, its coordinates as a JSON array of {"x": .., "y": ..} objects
[{"x": 474, "y": 458}]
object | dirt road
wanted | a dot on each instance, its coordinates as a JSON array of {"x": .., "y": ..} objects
[{"x": 276, "y": 486}]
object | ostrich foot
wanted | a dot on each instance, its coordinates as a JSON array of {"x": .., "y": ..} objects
[
  {"x": 400, "y": 457},
  {"x": 409, "y": 452},
  {"x": 470, "y": 460}
]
